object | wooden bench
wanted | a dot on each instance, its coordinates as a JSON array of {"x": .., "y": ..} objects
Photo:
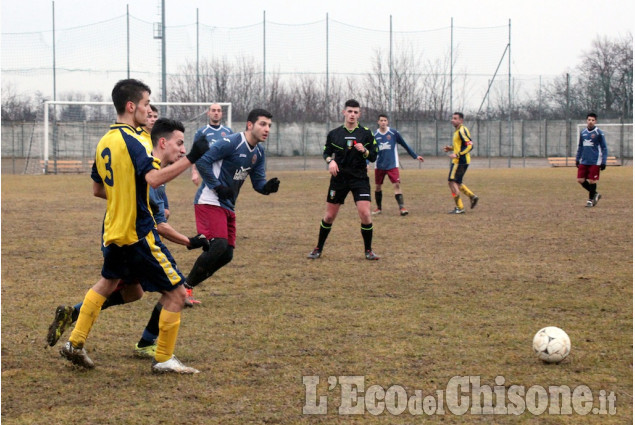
[
  {"x": 563, "y": 161},
  {"x": 66, "y": 166}
]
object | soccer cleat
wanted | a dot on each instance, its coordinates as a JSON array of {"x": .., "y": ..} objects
[
  {"x": 376, "y": 212},
  {"x": 457, "y": 210},
  {"x": 77, "y": 356},
  {"x": 596, "y": 198},
  {"x": 189, "y": 298},
  {"x": 147, "y": 352},
  {"x": 403, "y": 211},
  {"x": 370, "y": 255},
  {"x": 63, "y": 320},
  {"x": 315, "y": 254},
  {"x": 589, "y": 203},
  {"x": 473, "y": 201},
  {"x": 173, "y": 365}
]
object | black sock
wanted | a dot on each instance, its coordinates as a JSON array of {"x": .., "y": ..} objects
[
  {"x": 75, "y": 314},
  {"x": 206, "y": 263},
  {"x": 114, "y": 299},
  {"x": 378, "y": 196},
  {"x": 586, "y": 185},
  {"x": 325, "y": 229},
  {"x": 152, "y": 328},
  {"x": 367, "y": 234},
  {"x": 399, "y": 198},
  {"x": 592, "y": 189}
]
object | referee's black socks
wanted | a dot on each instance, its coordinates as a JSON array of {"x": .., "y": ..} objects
[
  {"x": 367, "y": 234},
  {"x": 325, "y": 229}
]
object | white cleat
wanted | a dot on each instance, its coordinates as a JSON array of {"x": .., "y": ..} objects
[
  {"x": 173, "y": 365},
  {"x": 77, "y": 356}
]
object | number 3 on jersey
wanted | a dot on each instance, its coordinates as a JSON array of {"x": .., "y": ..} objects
[{"x": 109, "y": 180}]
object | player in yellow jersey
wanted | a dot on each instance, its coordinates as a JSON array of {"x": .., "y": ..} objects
[
  {"x": 461, "y": 147},
  {"x": 131, "y": 246}
]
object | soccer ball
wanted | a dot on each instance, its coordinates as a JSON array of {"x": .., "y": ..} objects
[{"x": 552, "y": 344}]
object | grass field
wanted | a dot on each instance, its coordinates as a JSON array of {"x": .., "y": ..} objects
[{"x": 451, "y": 296}]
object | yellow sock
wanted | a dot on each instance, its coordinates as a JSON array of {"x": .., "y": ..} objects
[
  {"x": 87, "y": 316},
  {"x": 169, "y": 323},
  {"x": 457, "y": 201},
  {"x": 466, "y": 191}
]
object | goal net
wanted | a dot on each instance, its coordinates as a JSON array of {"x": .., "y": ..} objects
[
  {"x": 618, "y": 137},
  {"x": 72, "y": 129}
]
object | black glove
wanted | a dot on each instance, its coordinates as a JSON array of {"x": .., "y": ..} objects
[
  {"x": 224, "y": 192},
  {"x": 603, "y": 167},
  {"x": 199, "y": 148},
  {"x": 577, "y": 164},
  {"x": 271, "y": 186},
  {"x": 199, "y": 241}
]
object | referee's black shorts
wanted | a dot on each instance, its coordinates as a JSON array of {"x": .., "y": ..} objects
[{"x": 342, "y": 184}]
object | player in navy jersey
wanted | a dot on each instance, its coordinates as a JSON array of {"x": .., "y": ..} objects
[
  {"x": 591, "y": 158},
  {"x": 131, "y": 247},
  {"x": 213, "y": 131},
  {"x": 224, "y": 168},
  {"x": 346, "y": 151},
  {"x": 388, "y": 162}
]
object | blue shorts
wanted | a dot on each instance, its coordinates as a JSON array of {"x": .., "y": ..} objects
[
  {"x": 457, "y": 171},
  {"x": 148, "y": 261}
]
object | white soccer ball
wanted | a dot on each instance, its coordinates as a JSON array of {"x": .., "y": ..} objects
[{"x": 552, "y": 344}]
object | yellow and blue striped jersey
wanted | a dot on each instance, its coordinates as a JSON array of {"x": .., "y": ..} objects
[
  {"x": 146, "y": 140},
  {"x": 462, "y": 145},
  {"x": 121, "y": 163}
]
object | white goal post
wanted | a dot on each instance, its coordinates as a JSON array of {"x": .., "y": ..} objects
[{"x": 201, "y": 108}]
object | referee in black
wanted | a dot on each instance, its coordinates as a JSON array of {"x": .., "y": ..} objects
[{"x": 346, "y": 151}]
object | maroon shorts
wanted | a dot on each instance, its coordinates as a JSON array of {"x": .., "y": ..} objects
[
  {"x": 589, "y": 172},
  {"x": 216, "y": 222},
  {"x": 393, "y": 175}
]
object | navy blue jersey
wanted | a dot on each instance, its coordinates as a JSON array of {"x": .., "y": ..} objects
[
  {"x": 388, "y": 157},
  {"x": 213, "y": 133},
  {"x": 228, "y": 162},
  {"x": 592, "y": 148},
  {"x": 158, "y": 203}
]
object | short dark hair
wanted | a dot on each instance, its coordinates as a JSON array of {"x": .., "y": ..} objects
[
  {"x": 592, "y": 114},
  {"x": 460, "y": 114},
  {"x": 125, "y": 91},
  {"x": 163, "y": 127},
  {"x": 351, "y": 103},
  {"x": 256, "y": 113},
  {"x": 382, "y": 116},
  {"x": 154, "y": 109}
]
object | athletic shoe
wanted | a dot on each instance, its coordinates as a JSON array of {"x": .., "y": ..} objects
[
  {"x": 63, "y": 320},
  {"x": 376, "y": 212},
  {"x": 315, "y": 254},
  {"x": 173, "y": 365},
  {"x": 589, "y": 203},
  {"x": 403, "y": 211},
  {"x": 457, "y": 210},
  {"x": 596, "y": 198},
  {"x": 189, "y": 298},
  {"x": 77, "y": 356},
  {"x": 370, "y": 255},
  {"x": 473, "y": 201},
  {"x": 147, "y": 352}
]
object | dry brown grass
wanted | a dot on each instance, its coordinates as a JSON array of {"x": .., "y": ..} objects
[{"x": 452, "y": 295}]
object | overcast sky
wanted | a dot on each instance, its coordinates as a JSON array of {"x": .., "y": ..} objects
[{"x": 547, "y": 36}]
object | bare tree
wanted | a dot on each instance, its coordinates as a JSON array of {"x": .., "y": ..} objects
[{"x": 17, "y": 107}]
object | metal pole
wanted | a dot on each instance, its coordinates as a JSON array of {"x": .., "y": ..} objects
[
  {"x": 568, "y": 126},
  {"x": 327, "y": 98},
  {"x": 198, "y": 88},
  {"x": 509, "y": 92},
  {"x": 264, "y": 55},
  {"x": 164, "y": 95},
  {"x": 54, "y": 65},
  {"x": 451, "y": 61},
  {"x": 128, "y": 40},
  {"x": 390, "y": 69}
]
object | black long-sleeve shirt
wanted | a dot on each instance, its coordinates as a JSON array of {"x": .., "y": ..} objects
[{"x": 340, "y": 146}]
